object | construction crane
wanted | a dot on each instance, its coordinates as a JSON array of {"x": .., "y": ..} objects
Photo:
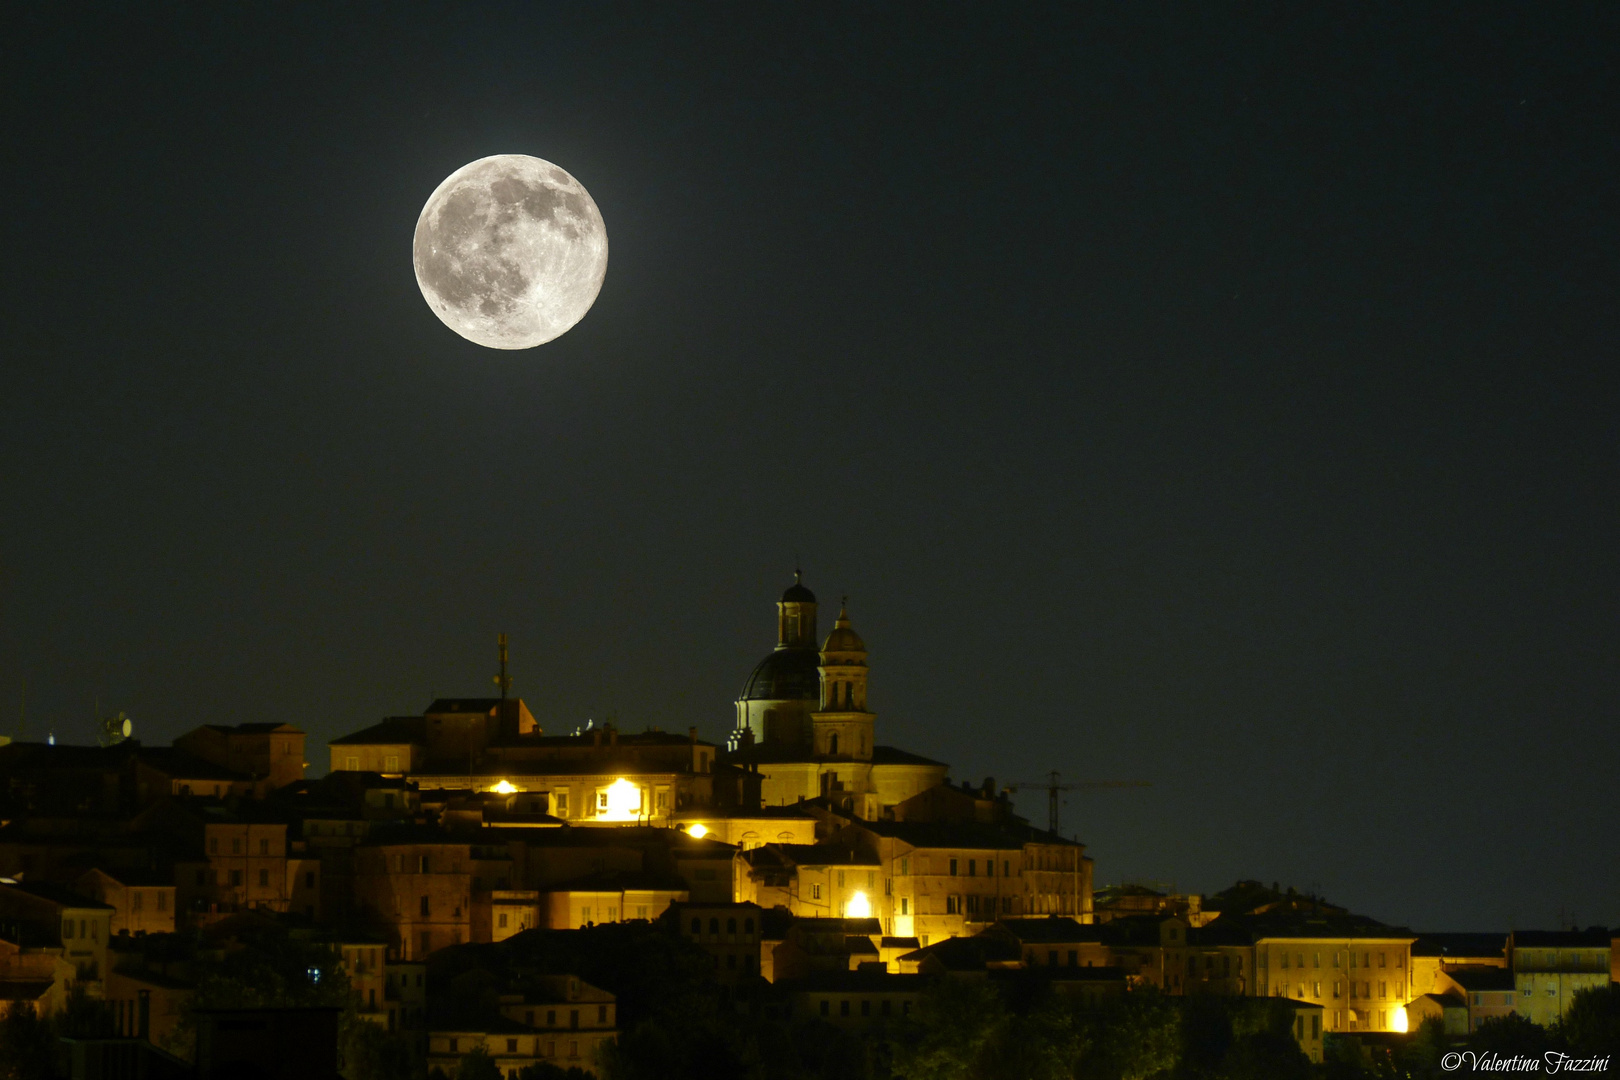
[{"x": 1054, "y": 789}]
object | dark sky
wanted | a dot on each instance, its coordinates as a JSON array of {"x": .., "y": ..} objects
[{"x": 1227, "y": 401}]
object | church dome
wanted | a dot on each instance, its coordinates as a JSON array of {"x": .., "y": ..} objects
[
  {"x": 843, "y": 637},
  {"x": 797, "y": 593},
  {"x": 785, "y": 675}
]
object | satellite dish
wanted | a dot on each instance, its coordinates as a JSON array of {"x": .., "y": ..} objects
[{"x": 115, "y": 729}]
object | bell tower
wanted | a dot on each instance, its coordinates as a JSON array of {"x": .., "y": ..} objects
[
  {"x": 842, "y": 726},
  {"x": 796, "y": 616}
]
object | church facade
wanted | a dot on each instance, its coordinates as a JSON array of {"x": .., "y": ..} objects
[{"x": 805, "y": 726}]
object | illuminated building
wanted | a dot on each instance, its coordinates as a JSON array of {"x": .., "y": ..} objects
[
  {"x": 599, "y": 776},
  {"x": 805, "y": 727},
  {"x": 730, "y": 933},
  {"x": 556, "y": 1019},
  {"x": 271, "y": 754},
  {"x": 143, "y": 902},
  {"x": 51, "y": 921},
  {"x": 1551, "y": 966}
]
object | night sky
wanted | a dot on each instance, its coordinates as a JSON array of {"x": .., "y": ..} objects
[{"x": 1225, "y": 401}]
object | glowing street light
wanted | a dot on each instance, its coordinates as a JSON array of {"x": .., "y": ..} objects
[
  {"x": 698, "y": 831},
  {"x": 858, "y": 907},
  {"x": 503, "y": 788},
  {"x": 1397, "y": 1020}
]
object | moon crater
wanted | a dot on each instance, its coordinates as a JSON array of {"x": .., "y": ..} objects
[{"x": 510, "y": 251}]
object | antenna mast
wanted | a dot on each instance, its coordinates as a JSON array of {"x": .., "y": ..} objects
[{"x": 503, "y": 680}]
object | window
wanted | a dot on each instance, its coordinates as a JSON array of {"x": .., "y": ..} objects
[
  {"x": 163, "y": 900},
  {"x": 67, "y": 929},
  {"x": 236, "y": 845},
  {"x": 840, "y": 879},
  {"x": 551, "y": 1018},
  {"x": 528, "y": 1017},
  {"x": 1383, "y": 989},
  {"x": 264, "y": 847},
  {"x": 511, "y": 1046},
  {"x": 135, "y": 899},
  {"x": 601, "y": 1014},
  {"x": 1316, "y": 960},
  {"x": 213, "y": 845},
  {"x": 562, "y": 804},
  {"x": 866, "y": 1007},
  {"x": 1051, "y": 957},
  {"x": 815, "y": 892},
  {"x": 309, "y": 879},
  {"x": 391, "y": 763},
  {"x": 714, "y": 926},
  {"x": 953, "y": 868},
  {"x": 236, "y": 878},
  {"x": 264, "y": 879},
  {"x": 731, "y": 926},
  {"x": 500, "y": 920},
  {"x": 352, "y": 764},
  {"x": 748, "y": 926},
  {"x": 826, "y": 1007},
  {"x": 887, "y": 1008},
  {"x": 202, "y": 878},
  {"x": 453, "y": 1041},
  {"x": 422, "y": 864},
  {"x": 584, "y": 914},
  {"x": 951, "y": 905},
  {"x": 1316, "y": 989},
  {"x": 697, "y": 926},
  {"x": 843, "y": 1007},
  {"x": 424, "y": 907},
  {"x": 427, "y": 939},
  {"x": 905, "y": 867},
  {"x": 905, "y": 905},
  {"x": 973, "y": 867},
  {"x": 1006, "y": 868},
  {"x": 1382, "y": 957},
  {"x": 1285, "y": 961}
]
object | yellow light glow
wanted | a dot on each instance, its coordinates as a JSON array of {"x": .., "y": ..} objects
[
  {"x": 623, "y": 802},
  {"x": 858, "y": 907},
  {"x": 504, "y": 787},
  {"x": 698, "y": 831},
  {"x": 1397, "y": 1020}
]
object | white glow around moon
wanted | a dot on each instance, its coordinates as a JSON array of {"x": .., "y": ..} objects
[{"x": 510, "y": 251}]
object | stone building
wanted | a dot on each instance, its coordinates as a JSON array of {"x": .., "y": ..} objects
[
  {"x": 804, "y": 723},
  {"x": 1551, "y": 966}
]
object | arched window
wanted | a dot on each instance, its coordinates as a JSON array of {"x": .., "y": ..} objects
[{"x": 832, "y": 743}]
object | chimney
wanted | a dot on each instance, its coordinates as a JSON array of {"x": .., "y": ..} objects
[
  {"x": 613, "y": 735},
  {"x": 596, "y": 736},
  {"x": 693, "y": 732}
]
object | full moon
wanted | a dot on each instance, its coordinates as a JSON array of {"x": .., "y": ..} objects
[{"x": 510, "y": 251}]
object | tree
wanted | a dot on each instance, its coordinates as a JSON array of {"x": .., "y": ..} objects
[
  {"x": 269, "y": 970},
  {"x": 959, "y": 1024},
  {"x": 1510, "y": 1036},
  {"x": 371, "y": 1052},
  {"x": 545, "y": 1070},
  {"x": 1591, "y": 1027},
  {"x": 26, "y": 1044},
  {"x": 1136, "y": 1037},
  {"x": 476, "y": 1064}
]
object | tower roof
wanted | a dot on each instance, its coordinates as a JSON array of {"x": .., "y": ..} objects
[
  {"x": 843, "y": 637},
  {"x": 797, "y": 593}
]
